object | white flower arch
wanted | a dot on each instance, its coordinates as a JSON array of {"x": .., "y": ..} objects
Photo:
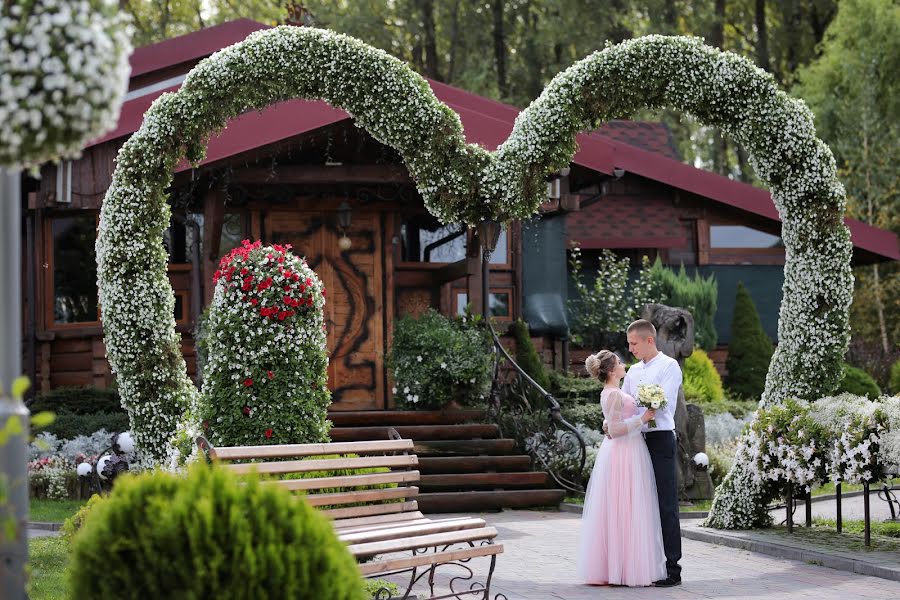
[{"x": 465, "y": 183}]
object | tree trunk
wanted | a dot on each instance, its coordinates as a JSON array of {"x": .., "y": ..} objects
[
  {"x": 670, "y": 16},
  {"x": 870, "y": 208},
  {"x": 500, "y": 49},
  {"x": 428, "y": 27},
  {"x": 762, "y": 37},
  {"x": 717, "y": 39},
  {"x": 454, "y": 41}
]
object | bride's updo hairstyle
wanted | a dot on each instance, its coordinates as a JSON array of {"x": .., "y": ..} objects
[{"x": 600, "y": 365}]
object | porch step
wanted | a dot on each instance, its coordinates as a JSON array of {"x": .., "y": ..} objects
[
  {"x": 474, "y": 501},
  {"x": 478, "y": 481},
  {"x": 463, "y": 447},
  {"x": 473, "y": 464},
  {"x": 395, "y": 418},
  {"x": 417, "y": 432}
]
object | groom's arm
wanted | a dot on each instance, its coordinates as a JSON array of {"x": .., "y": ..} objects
[{"x": 670, "y": 383}]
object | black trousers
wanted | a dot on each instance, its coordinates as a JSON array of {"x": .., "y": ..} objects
[{"x": 661, "y": 445}]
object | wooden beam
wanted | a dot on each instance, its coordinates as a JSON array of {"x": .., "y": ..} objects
[
  {"x": 452, "y": 271},
  {"x": 323, "y": 174}
]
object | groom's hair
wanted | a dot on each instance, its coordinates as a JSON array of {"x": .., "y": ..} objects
[{"x": 643, "y": 328}]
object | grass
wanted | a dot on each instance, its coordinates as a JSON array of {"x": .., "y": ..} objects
[
  {"x": 828, "y": 488},
  {"x": 891, "y": 530},
  {"x": 47, "y": 559},
  {"x": 53, "y": 511}
]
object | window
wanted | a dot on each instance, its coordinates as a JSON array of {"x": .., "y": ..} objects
[
  {"x": 500, "y": 304},
  {"x": 181, "y": 308},
  {"x": 741, "y": 236},
  {"x": 232, "y": 233},
  {"x": 74, "y": 282},
  {"x": 425, "y": 240}
]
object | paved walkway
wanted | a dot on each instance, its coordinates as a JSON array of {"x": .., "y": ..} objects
[{"x": 539, "y": 564}]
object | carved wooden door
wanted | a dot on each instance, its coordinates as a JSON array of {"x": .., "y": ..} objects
[{"x": 353, "y": 303}]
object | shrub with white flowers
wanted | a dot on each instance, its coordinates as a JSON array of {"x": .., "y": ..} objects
[
  {"x": 436, "y": 360},
  {"x": 266, "y": 378},
  {"x": 785, "y": 448},
  {"x": 63, "y": 74},
  {"x": 890, "y": 440},
  {"x": 465, "y": 183},
  {"x": 855, "y": 425}
]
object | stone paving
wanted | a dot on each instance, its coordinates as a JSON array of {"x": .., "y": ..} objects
[{"x": 539, "y": 564}]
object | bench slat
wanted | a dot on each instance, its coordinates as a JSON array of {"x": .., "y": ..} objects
[
  {"x": 383, "y": 566},
  {"x": 361, "y": 496},
  {"x": 358, "y": 522},
  {"x": 422, "y": 541},
  {"x": 404, "y": 530},
  {"x": 371, "y": 510},
  {"x": 346, "y": 481},
  {"x": 325, "y": 464},
  {"x": 343, "y": 530},
  {"x": 286, "y": 450}
]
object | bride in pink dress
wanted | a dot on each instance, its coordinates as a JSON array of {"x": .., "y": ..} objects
[{"x": 621, "y": 537}]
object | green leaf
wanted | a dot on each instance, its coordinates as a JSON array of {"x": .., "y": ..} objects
[
  {"x": 42, "y": 419},
  {"x": 20, "y": 386}
]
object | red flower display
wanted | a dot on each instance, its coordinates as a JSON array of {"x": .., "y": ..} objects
[
  {"x": 248, "y": 382},
  {"x": 269, "y": 433}
]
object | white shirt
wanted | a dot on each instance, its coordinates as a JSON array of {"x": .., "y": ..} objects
[{"x": 664, "y": 371}]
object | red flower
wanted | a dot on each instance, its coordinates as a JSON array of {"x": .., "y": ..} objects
[
  {"x": 282, "y": 314},
  {"x": 205, "y": 425},
  {"x": 295, "y": 277},
  {"x": 270, "y": 374},
  {"x": 281, "y": 259},
  {"x": 323, "y": 292},
  {"x": 308, "y": 281},
  {"x": 287, "y": 300},
  {"x": 248, "y": 382},
  {"x": 247, "y": 411},
  {"x": 254, "y": 301},
  {"x": 244, "y": 271},
  {"x": 269, "y": 433},
  {"x": 286, "y": 288}
]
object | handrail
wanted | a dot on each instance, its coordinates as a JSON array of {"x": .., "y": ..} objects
[{"x": 555, "y": 414}]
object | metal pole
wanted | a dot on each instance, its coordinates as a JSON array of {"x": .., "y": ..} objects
[
  {"x": 809, "y": 508},
  {"x": 867, "y": 516},
  {"x": 789, "y": 505},
  {"x": 837, "y": 497},
  {"x": 13, "y": 455}
]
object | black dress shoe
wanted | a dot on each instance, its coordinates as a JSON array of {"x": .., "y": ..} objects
[{"x": 667, "y": 582}]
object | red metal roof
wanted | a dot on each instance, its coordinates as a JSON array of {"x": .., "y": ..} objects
[{"x": 486, "y": 122}]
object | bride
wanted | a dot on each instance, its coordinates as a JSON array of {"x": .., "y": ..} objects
[{"x": 621, "y": 538}]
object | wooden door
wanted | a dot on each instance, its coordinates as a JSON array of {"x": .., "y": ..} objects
[{"x": 353, "y": 304}]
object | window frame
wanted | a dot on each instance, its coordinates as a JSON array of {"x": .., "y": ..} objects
[
  {"x": 50, "y": 267},
  {"x": 736, "y": 255},
  {"x": 455, "y": 292}
]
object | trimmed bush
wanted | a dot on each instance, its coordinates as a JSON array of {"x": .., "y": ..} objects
[
  {"x": 750, "y": 350},
  {"x": 696, "y": 294},
  {"x": 266, "y": 375},
  {"x": 571, "y": 390},
  {"x": 701, "y": 380},
  {"x": 526, "y": 354},
  {"x": 859, "y": 383},
  {"x": 436, "y": 360},
  {"x": 208, "y": 534},
  {"x": 590, "y": 415},
  {"x": 78, "y": 401},
  {"x": 67, "y": 426}
]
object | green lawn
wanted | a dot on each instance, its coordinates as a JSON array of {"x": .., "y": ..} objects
[
  {"x": 53, "y": 511},
  {"x": 828, "y": 488},
  {"x": 47, "y": 559},
  {"x": 891, "y": 530}
]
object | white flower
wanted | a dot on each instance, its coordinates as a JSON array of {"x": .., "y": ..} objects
[{"x": 419, "y": 358}]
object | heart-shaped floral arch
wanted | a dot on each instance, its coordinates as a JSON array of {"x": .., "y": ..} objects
[{"x": 465, "y": 183}]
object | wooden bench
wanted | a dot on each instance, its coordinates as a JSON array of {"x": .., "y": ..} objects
[{"x": 382, "y": 527}]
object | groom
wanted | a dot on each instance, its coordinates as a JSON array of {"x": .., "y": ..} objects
[{"x": 656, "y": 367}]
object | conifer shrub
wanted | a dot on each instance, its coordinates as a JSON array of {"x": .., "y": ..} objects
[
  {"x": 526, "y": 354},
  {"x": 701, "y": 380},
  {"x": 750, "y": 350},
  {"x": 895, "y": 378},
  {"x": 697, "y": 294},
  {"x": 207, "y": 534},
  {"x": 859, "y": 383}
]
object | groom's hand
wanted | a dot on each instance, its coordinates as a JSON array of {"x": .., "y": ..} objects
[{"x": 606, "y": 429}]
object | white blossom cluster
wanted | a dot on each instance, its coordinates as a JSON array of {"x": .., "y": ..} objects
[{"x": 63, "y": 74}]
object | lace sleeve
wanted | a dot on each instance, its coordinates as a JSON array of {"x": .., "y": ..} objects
[{"x": 619, "y": 426}]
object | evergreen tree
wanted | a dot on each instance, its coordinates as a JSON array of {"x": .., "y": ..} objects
[
  {"x": 750, "y": 349},
  {"x": 526, "y": 354}
]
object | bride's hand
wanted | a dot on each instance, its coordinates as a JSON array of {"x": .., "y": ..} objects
[{"x": 650, "y": 414}]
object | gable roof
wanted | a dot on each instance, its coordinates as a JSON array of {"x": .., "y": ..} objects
[{"x": 638, "y": 148}]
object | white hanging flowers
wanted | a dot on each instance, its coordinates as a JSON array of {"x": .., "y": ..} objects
[{"x": 63, "y": 74}]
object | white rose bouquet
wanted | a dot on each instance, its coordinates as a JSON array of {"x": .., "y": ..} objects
[{"x": 651, "y": 395}]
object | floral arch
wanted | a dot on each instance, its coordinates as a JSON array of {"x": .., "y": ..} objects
[{"x": 465, "y": 183}]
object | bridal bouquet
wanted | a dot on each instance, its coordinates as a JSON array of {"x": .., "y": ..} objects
[{"x": 651, "y": 395}]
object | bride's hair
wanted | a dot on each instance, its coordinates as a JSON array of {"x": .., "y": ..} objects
[{"x": 600, "y": 365}]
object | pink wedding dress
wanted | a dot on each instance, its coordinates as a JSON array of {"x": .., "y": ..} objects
[{"x": 621, "y": 538}]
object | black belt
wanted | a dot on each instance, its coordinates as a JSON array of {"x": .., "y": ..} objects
[{"x": 661, "y": 431}]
